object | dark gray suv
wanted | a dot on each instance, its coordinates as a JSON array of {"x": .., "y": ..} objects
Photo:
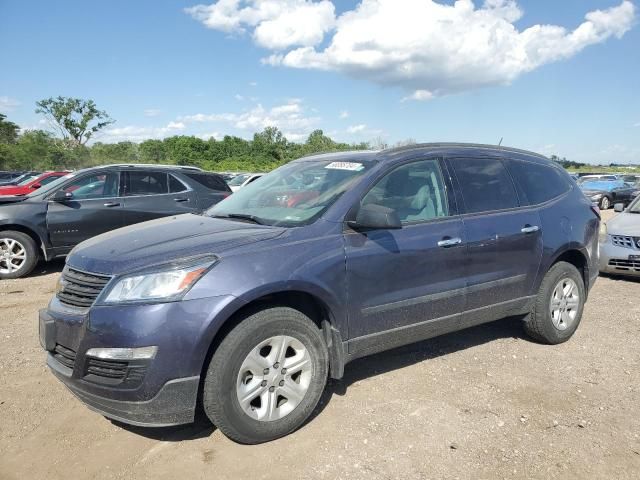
[
  {"x": 245, "y": 310},
  {"x": 52, "y": 220}
]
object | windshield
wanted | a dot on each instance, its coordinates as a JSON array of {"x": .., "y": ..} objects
[
  {"x": 28, "y": 179},
  {"x": 635, "y": 206},
  {"x": 51, "y": 186},
  {"x": 238, "y": 180},
  {"x": 294, "y": 194}
]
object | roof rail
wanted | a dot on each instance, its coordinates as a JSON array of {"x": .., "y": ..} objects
[
  {"x": 181, "y": 167},
  {"x": 458, "y": 145}
]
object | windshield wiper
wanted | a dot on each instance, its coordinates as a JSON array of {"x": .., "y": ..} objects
[{"x": 243, "y": 216}]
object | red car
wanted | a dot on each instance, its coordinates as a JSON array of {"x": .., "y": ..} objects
[{"x": 31, "y": 183}]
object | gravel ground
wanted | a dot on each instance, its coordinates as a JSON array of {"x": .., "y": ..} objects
[{"x": 483, "y": 403}]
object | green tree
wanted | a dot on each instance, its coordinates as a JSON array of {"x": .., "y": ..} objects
[
  {"x": 77, "y": 120},
  {"x": 8, "y": 130},
  {"x": 152, "y": 151}
]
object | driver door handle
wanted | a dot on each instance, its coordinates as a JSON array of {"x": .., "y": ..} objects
[
  {"x": 449, "y": 242},
  {"x": 530, "y": 228},
  {"x": 111, "y": 204}
]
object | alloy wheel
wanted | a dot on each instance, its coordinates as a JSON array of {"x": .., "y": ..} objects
[
  {"x": 274, "y": 378},
  {"x": 13, "y": 255},
  {"x": 565, "y": 302}
]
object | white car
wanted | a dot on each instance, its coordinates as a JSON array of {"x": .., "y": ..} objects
[{"x": 243, "y": 179}]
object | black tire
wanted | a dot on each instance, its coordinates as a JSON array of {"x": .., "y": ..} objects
[
  {"x": 219, "y": 397},
  {"x": 539, "y": 324},
  {"x": 30, "y": 248},
  {"x": 605, "y": 203}
]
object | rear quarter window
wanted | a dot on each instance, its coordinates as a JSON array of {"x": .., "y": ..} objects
[
  {"x": 210, "y": 181},
  {"x": 540, "y": 183}
]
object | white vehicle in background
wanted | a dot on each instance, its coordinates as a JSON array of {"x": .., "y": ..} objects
[
  {"x": 620, "y": 241},
  {"x": 243, "y": 179}
]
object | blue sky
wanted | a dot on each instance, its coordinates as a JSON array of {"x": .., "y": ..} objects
[{"x": 161, "y": 70}]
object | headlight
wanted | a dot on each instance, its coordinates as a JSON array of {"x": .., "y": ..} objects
[
  {"x": 166, "y": 283},
  {"x": 603, "y": 232}
]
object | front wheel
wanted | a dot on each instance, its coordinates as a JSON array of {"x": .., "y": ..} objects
[
  {"x": 605, "y": 203},
  {"x": 267, "y": 376},
  {"x": 18, "y": 254},
  {"x": 558, "y": 307}
]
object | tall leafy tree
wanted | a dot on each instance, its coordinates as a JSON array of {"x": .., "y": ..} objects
[
  {"x": 77, "y": 120},
  {"x": 8, "y": 130}
]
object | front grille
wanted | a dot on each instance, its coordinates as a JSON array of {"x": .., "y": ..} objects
[
  {"x": 80, "y": 289},
  {"x": 65, "y": 356},
  {"x": 107, "y": 368},
  {"x": 624, "y": 241},
  {"x": 625, "y": 265}
]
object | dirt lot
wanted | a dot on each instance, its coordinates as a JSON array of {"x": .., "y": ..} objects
[{"x": 483, "y": 403}]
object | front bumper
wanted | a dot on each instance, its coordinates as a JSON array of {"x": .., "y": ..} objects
[
  {"x": 156, "y": 392},
  {"x": 615, "y": 260}
]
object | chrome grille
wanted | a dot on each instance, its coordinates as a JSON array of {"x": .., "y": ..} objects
[
  {"x": 624, "y": 241},
  {"x": 80, "y": 289}
]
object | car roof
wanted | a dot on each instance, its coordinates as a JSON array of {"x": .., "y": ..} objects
[
  {"x": 142, "y": 166},
  {"x": 398, "y": 152}
]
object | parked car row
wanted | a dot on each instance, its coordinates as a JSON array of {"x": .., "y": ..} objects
[
  {"x": 606, "y": 193},
  {"x": 247, "y": 309}
]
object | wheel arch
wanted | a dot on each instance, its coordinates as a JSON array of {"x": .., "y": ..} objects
[
  {"x": 575, "y": 255},
  {"x": 27, "y": 230},
  {"x": 301, "y": 299}
]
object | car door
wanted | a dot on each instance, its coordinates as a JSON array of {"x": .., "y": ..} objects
[
  {"x": 93, "y": 207},
  {"x": 397, "y": 278},
  {"x": 504, "y": 240},
  {"x": 147, "y": 196}
]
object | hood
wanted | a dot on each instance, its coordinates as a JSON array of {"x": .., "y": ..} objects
[
  {"x": 13, "y": 190},
  {"x": 11, "y": 199},
  {"x": 164, "y": 240},
  {"x": 624, "y": 224}
]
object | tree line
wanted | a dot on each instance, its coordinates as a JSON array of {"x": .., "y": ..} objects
[{"x": 77, "y": 121}]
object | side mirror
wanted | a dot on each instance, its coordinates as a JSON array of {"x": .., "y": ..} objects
[
  {"x": 618, "y": 207},
  {"x": 62, "y": 196},
  {"x": 36, "y": 185},
  {"x": 374, "y": 216}
]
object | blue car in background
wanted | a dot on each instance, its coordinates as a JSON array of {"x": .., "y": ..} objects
[
  {"x": 246, "y": 310},
  {"x": 606, "y": 193}
]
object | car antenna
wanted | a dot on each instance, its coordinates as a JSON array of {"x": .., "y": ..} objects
[{"x": 500, "y": 142}]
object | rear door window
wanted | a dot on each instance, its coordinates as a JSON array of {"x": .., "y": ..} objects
[
  {"x": 485, "y": 183},
  {"x": 146, "y": 183},
  {"x": 540, "y": 183},
  {"x": 175, "y": 185},
  {"x": 210, "y": 181}
]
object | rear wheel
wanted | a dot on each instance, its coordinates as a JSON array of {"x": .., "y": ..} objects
[
  {"x": 266, "y": 377},
  {"x": 557, "y": 310},
  {"x": 18, "y": 254}
]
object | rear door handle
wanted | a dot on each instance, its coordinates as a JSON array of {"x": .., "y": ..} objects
[
  {"x": 111, "y": 204},
  {"x": 179, "y": 200},
  {"x": 530, "y": 228},
  {"x": 449, "y": 242}
]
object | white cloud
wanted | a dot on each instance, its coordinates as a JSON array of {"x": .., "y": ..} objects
[
  {"x": 291, "y": 118},
  {"x": 253, "y": 84},
  {"x": 276, "y": 24},
  {"x": 152, "y": 112},
  {"x": 357, "y": 128},
  {"x": 344, "y": 114},
  {"x": 419, "y": 45},
  {"x": 419, "y": 95},
  {"x": 637, "y": 124},
  {"x": 238, "y": 97},
  {"x": 134, "y": 133},
  {"x": 8, "y": 104}
]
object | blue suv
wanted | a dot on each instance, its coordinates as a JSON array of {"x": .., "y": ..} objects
[{"x": 246, "y": 310}]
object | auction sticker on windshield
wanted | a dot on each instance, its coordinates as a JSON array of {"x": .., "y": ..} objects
[{"x": 356, "y": 167}]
